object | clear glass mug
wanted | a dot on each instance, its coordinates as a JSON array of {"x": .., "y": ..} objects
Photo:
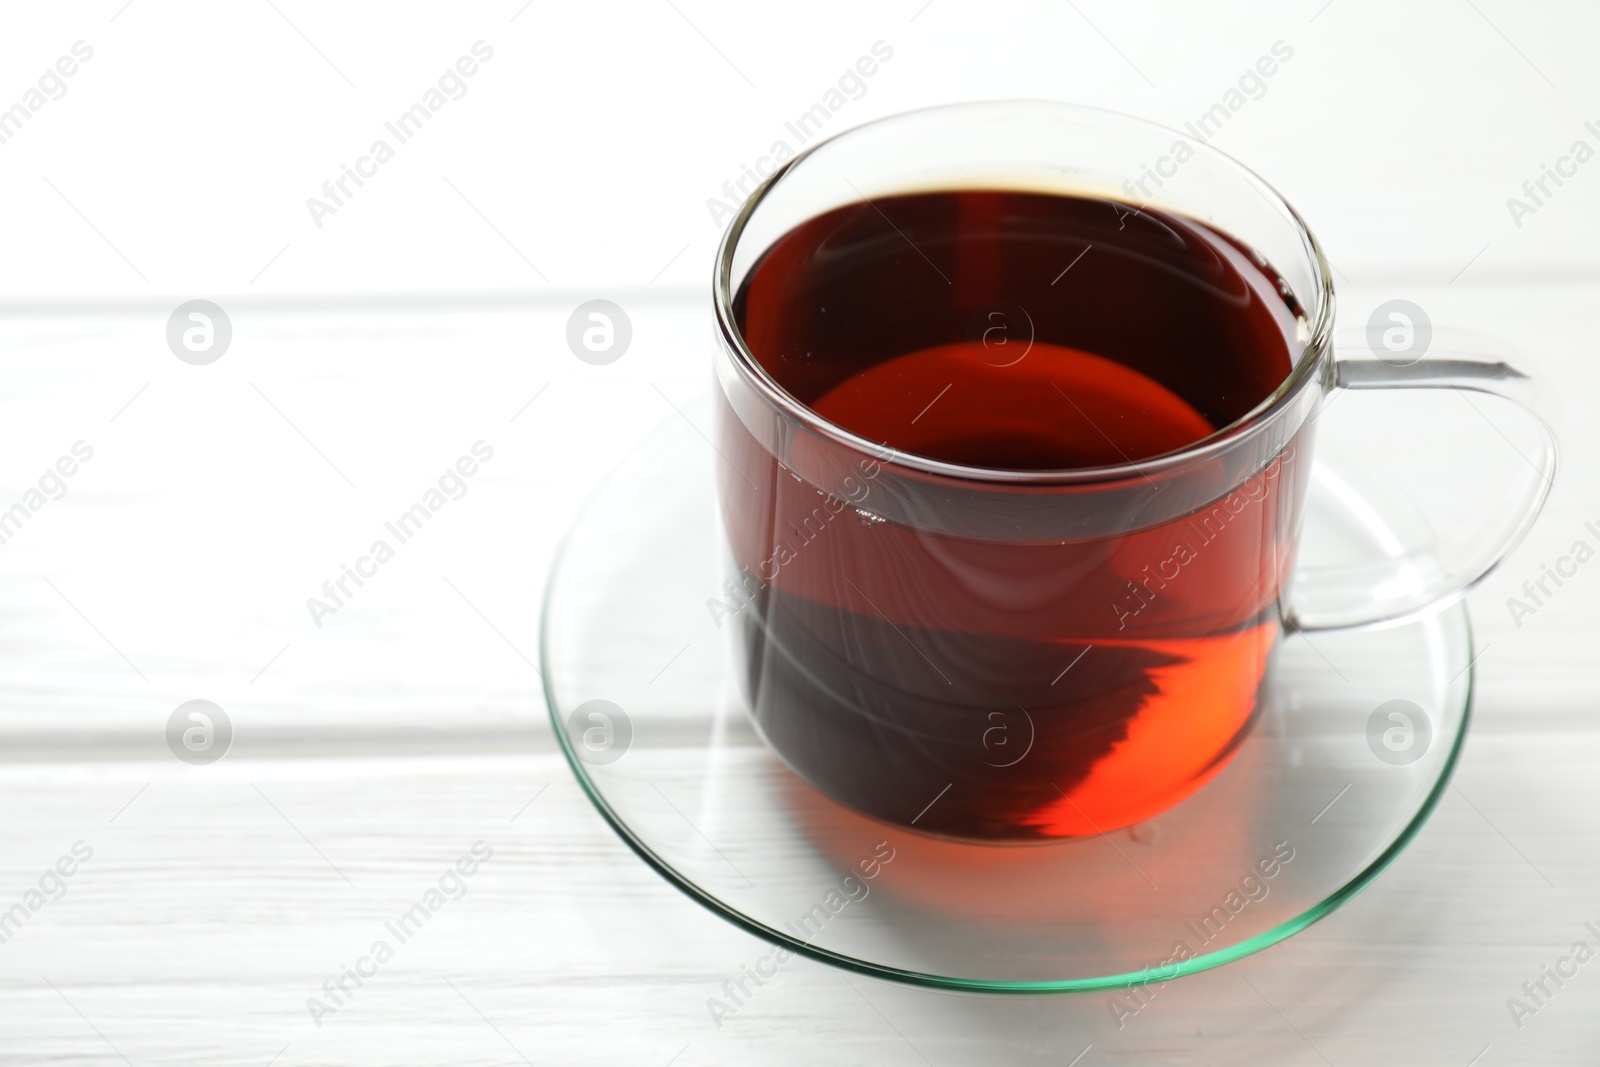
[{"x": 998, "y": 655}]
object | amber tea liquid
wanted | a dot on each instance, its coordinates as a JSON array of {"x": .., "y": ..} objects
[{"x": 1002, "y": 687}]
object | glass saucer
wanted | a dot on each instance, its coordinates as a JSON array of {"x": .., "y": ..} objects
[{"x": 1354, "y": 743}]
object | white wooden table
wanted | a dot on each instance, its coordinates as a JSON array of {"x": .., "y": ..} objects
[{"x": 371, "y": 753}]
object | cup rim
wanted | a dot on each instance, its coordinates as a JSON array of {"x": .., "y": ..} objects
[{"x": 1318, "y": 346}]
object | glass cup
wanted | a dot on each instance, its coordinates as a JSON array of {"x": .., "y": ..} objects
[{"x": 1012, "y": 656}]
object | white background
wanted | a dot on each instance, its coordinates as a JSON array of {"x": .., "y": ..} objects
[{"x": 595, "y": 135}]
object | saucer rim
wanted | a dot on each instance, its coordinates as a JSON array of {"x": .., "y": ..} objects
[{"x": 1454, "y": 612}]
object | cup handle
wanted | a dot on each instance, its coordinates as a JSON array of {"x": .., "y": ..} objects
[{"x": 1416, "y": 581}]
